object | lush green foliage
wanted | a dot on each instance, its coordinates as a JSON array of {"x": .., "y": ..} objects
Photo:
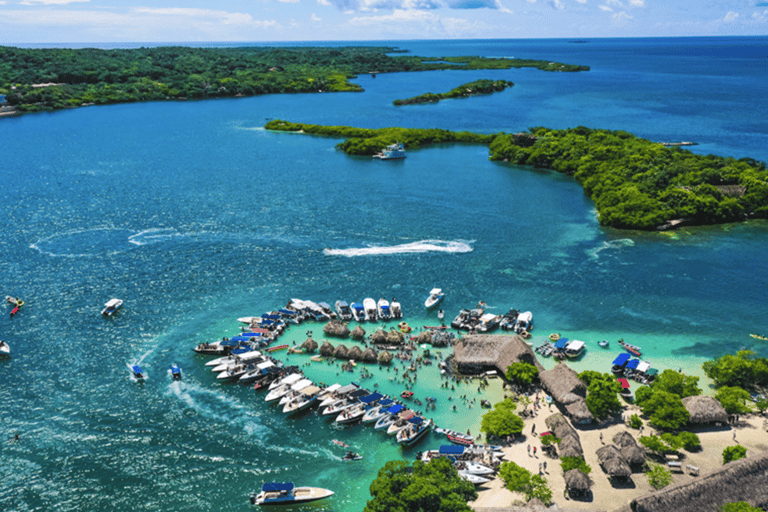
[
  {"x": 744, "y": 370},
  {"x": 659, "y": 476},
  {"x": 733, "y": 399},
  {"x": 90, "y": 75},
  {"x": 502, "y": 420},
  {"x": 635, "y": 421},
  {"x": 638, "y": 184},
  {"x": 602, "y": 389},
  {"x": 665, "y": 410},
  {"x": 519, "y": 479},
  {"x": 656, "y": 444},
  {"x": 462, "y": 91},
  {"x": 549, "y": 439},
  {"x": 569, "y": 463},
  {"x": 739, "y": 506},
  {"x": 522, "y": 373},
  {"x": 732, "y": 453},
  {"x": 669, "y": 442},
  {"x": 688, "y": 441},
  {"x": 761, "y": 404},
  {"x": 677, "y": 383},
  {"x": 400, "y": 487}
]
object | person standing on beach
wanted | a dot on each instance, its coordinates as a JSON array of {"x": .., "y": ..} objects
[{"x": 529, "y": 450}]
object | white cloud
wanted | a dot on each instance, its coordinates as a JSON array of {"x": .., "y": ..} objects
[
  {"x": 606, "y": 8},
  {"x": 229, "y": 18},
  {"x": 50, "y": 2},
  {"x": 556, "y": 4},
  {"x": 324, "y": 2},
  {"x": 731, "y": 16},
  {"x": 350, "y": 6},
  {"x": 289, "y": 1},
  {"x": 759, "y": 16},
  {"x": 426, "y": 22},
  {"x": 637, "y": 3},
  {"x": 315, "y": 17},
  {"x": 475, "y": 4},
  {"x": 582, "y": 1},
  {"x": 613, "y": 2},
  {"x": 620, "y": 17}
]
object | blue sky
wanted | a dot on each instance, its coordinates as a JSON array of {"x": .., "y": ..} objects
[{"x": 59, "y": 21}]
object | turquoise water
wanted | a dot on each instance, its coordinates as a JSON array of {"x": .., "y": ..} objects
[{"x": 195, "y": 216}]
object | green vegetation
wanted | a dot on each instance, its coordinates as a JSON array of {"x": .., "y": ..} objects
[
  {"x": 744, "y": 370},
  {"x": 602, "y": 389},
  {"x": 462, "y": 91},
  {"x": 669, "y": 443},
  {"x": 658, "y": 476},
  {"x": 400, "y": 487},
  {"x": 656, "y": 444},
  {"x": 519, "y": 479},
  {"x": 733, "y": 399},
  {"x": 732, "y": 453},
  {"x": 522, "y": 373},
  {"x": 569, "y": 463},
  {"x": 93, "y": 76},
  {"x": 677, "y": 383},
  {"x": 502, "y": 420},
  {"x": 635, "y": 421},
  {"x": 739, "y": 506},
  {"x": 665, "y": 410}
]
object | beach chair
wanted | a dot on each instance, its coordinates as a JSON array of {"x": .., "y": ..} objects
[
  {"x": 692, "y": 470},
  {"x": 675, "y": 466}
]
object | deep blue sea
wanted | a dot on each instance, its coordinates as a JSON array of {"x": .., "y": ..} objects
[{"x": 194, "y": 215}]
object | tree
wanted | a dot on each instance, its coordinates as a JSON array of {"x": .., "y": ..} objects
[
  {"x": 677, "y": 383},
  {"x": 732, "y": 453},
  {"x": 635, "y": 421},
  {"x": 522, "y": 373},
  {"x": 501, "y": 422},
  {"x": 519, "y": 479},
  {"x": 436, "y": 485},
  {"x": 739, "y": 506},
  {"x": 569, "y": 463},
  {"x": 658, "y": 476},
  {"x": 602, "y": 398},
  {"x": 665, "y": 410},
  {"x": 689, "y": 441},
  {"x": 656, "y": 444},
  {"x": 734, "y": 399},
  {"x": 761, "y": 404}
]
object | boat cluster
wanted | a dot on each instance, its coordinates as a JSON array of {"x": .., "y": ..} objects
[
  {"x": 561, "y": 348},
  {"x": 635, "y": 369},
  {"x": 478, "y": 320},
  {"x": 475, "y": 463}
]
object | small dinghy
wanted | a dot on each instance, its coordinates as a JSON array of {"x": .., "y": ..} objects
[
  {"x": 351, "y": 457},
  {"x": 175, "y": 371},
  {"x": 603, "y": 344},
  {"x": 138, "y": 373}
]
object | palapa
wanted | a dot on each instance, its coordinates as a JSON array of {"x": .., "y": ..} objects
[
  {"x": 570, "y": 443},
  {"x": 704, "y": 409},
  {"x": 565, "y": 387},
  {"x": 341, "y": 352},
  {"x": 385, "y": 357},
  {"x": 570, "y": 446},
  {"x": 632, "y": 452},
  {"x": 395, "y": 338},
  {"x": 369, "y": 356},
  {"x": 336, "y": 328},
  {"x": 309, "y": 345},
  {"x": 478, "y": 353},
  {"x": 358, "y": 333},
  {"x": 326, "y": 349},
  {"x": 536, "y": 504},
  {"x": 741, "y": 480},
  {"x": 577, "y": 480},
  {"x": 579, "y": 412},
  {"x": 424, "y": 337},
  {"x": 379, "y": 337},
  {"x": 613, "y": 462},
  {"x": 355, "y": 353}
]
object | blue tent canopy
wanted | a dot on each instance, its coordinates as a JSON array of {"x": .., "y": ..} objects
[
  {"x": 561, "y": 343},
  {"x": 357, "y": 305},
  {"x": 286, "y": 312},
  {"x": 384, "y": 307},
  {"x": 249, "y": 335},
  {"x": 371, "y": 398},
  {"x": 416, "y": 420},
  {"x": 621, "y": 359},
  {"x": 386, "y": 401},
  {"x": 230, "y": 343},
  {"x": 395, "y": 408},
  {"x": 449, "y": 449},
  {"x": 277, "y": 486},
  {"x": 633, "y": 364},
  {"x": 241, "y": 350},
  {"x": 136, "y": 369}
]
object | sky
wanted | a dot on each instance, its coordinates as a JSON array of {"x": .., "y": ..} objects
[{"x": 78, "y": 21}]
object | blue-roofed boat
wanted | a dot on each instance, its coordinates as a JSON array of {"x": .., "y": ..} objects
[
  {"x": 389, "y": 417},
  {"x": 286, "y": 493},
  {"x": 343, "y": 311},
  {"x": 357, "y": 411},
  {"x": 378, "y": 410},
  {"x": 176, "y": 371},
  {"x": 138, "y": 373},
  {"x": 384, "y": 311},
  {"x": 619, "y": 363},
  {"x": 416, "y": 430},
  {"x": 358, "y": 311}
]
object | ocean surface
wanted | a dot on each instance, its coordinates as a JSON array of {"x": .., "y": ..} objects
[{"x": 194, "y": 215}]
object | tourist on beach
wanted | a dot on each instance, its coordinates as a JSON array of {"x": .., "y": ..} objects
[
  {"x": 601, "y": 437},
  {"x": 529, "y": 450},
  {"x": 534, "y": 451},
  {"x": 533, "y": 429},
  {"x": 545, "y": 466}
]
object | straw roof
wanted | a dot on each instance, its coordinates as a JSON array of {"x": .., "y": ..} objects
[
  {"x": 355, "y": 353},
  {"x": 310, "y": 345},
  {"x": 536, "y": 504},
  {"x": 558, "y": 424},
  {"x": 613, "y": 462},
  {"x": 358, "y": 333},
  {"x": 704, "y": 409},
  {"x": 326, "y": 349},
  {"x": 741, "y": 480},
  {"x": 577, "y": 480},
  {"x": 570, "y": 446},
  {"x": 341, "y": 352},
  {"x": 385, "y": 357},
  {"x": 563, "y": 384},
  {"x": 336, "y": 328},
  {"x": 395, "y": 338},
  {"x": 424, "y": 337},
  {"x": 632, "y": 452},
  {"x": 477, "y": 353},
  {"x": 369, "y": 355},
  {"x": 579, "y": 412},
  {"x": 379, "y": 337}
]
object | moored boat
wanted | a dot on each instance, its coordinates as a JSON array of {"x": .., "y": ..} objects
[
  {"x": 574, "y": 349},
  {"x": 488, "y": 322},
  {"x": 524, "y": 322},
  {"x": 396, "y": 308},
  {"x": 344, "y": 311},
  {"x": 285, "y": 493},
  {"x": 401, "y": 422},
  {"x": 389, "y": 417},
  {"x": 603, "y": 344},
  {"x": 509, "y": 319},
  {"x": 358, "y": 311},
  {"x": 303, "y": 400},
  {"x": 5, "y": 349},
  {"x": 626, "y": 392},
  {"x": 384, "y": 309},
  {"x": 392, "y": 152},
  {"x": 436, "y": 296},
  {"x": 473, "y": 479},
  {"x": 632, "y": 349},
  {"x": 376, "y": 412},
  {"x": 111, "y": 307},
  {"x": 415, "y": 431},
  {"x": 370, "y": 309}
]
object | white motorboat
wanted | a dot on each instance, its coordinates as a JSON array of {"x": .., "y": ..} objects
[
  {"x": 358, "y": 311},
  {"x": 370, "y": 309},
  {"x": 473, "y": 468},
  {"x": 327, "y": 309},
  {"x": 488, "y": 322},
  {"x": 304, "y": 399},
  {"x": 338, "y": 394},
  {"x": 344, "y": 311},
  {"x": 524, "y": 322},
  {"x": 384, "y": 310},
  {"x": 376, "y": 412},
  {"x": 509, "y": 320},
  {"x": 574, "y": 349},
  {"x": 352, "y": 414},
  {"x": 392, "y": 152},
  {"x": 254, "y": 356},
  {"x": 397, "y": 310},
  {"x": 401, "y": 422},
  {"x": 288, "y": 379},
  {"x": 248, "y": 319},
  {"x": 5, "y": 349},
  {"x": 231, "y": 358},
  {"x": 326, "y": 392},
  {"x": 435, "y": 297},
  {"x": 111, "y": 307},
  {"x": 285, "y": 493},
  {"x": 389, "y": 417},
  {"x": 415, "y": 431},
  {"x": 236, "y": 371},
  {"x": 295, "y": 390},
  {"x": 280, "y": 391},
  {"x": 252, "y": 375},
  {"x": 473, "y": 479}
]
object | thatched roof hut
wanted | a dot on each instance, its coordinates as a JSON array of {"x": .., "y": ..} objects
[
  {"x": 395, "y": 337},
  {"x": 565, "y": 387},
  {"x": 341, "y": 352},
  {"x": 741, "y": 480},
  {"x": 358, "y": 333},
  {"x": 379, "y": 337},
  {"x": 570, "y": 443},
  {"x": 385, "y": 357},
  {"x": 577, "y": 480},
  {"x": 369, "y": 356},
  {"x": 570, "y": 446},
  {"x": 309, "y": 345},
  {"x": 634, "y": 453},
  {"x": 336, "y": 328},
  {"x": 536, "y": 504},
  {"x": 613, "y": 462},
  {"x": 704, "y": 409},
  {"x": 424, "y": 337},
  {"x": 579, "y": 412},
  {"x": 355, "y": 353},
  {"x": 326, "y": 349},
  {"x": 478, "y": 353}
]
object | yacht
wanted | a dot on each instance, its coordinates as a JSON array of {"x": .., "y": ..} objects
[
  {"x": 413, "y": 432},
  {"x": 357, "y": 411},
  {"x": 524, "y": 322},
  {"x": 231, "y": 358},
  {"x": 435, "y": 297},
  {"x": 344, "y": 311},
  {"x": 358, "y": 311},
  {"x": 305, "y": 398},
  {"x": 376, "y": 412},
  {"x": 111, "y": 307},
  {"x": 345, "y": 403},
  {"x": 396, "y": 309},
  {"x": 488, "y": 322},
  {"x": 289, "y": 379},
  {"x": 295, "y": 391},
  {"x": 338, "y": 394},
  {"x": 473, "y": 468},
  {"x": 370, "y": 309},
  {"x": 401, "y": 422},
  {"x": 327, "y": 309},
  {"x": 392, "y": 152},
  {"x": 285, "y": 493},
  {"x": 574, "y": 349},
  {"x": 280, "y": 391},
  {"x": 256, "y": 373},
  {"x": 385, "y": 312}
]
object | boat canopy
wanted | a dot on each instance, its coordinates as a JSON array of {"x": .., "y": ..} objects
[
  {"x": 436, "y": 291},
  {"x": 371, "y": 398},
  {"x": 136, "y": 369},
  {"x": 621, "y": 360},
  {"x": 624, "y": 383},
  {"x": 265, "y": 365},
  {"x": 633, "y": 364},
  {"x": 561, "y": 343},
  {"x": 346, "y": 389},
  {"x": 643, "y": 366},
  {"x": 395, "y": 409},
  {"x": 310, "y": 390},
  {"x": 357, "y": 306},
  {"x": 416, "y": 420},
  {"x": 384, "y": 307},
  {"x": 359, "y": 393},
  {"x": 113, "y": 303},
  {"x": 385, "y": 402},
  {"x": 277, "y": 486},
  {"x": 451, "y": 449},
  {"x": 230, "y": 343},
  {"x": 575, "y": 345}
]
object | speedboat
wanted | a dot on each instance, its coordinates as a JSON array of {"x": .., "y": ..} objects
[
  {"x": 392, "y": 152},
  {"x": 396, "y": 309},
  {"x": 176, "y": 371},
  {"x": 632, "y": 349},
  {"x": 384, "y": 311},
  {"x": 343, "y": 310},
  {"x": 524, "y": 322},
  {"x": 401, "y": 422},
  {"x": 111, "y": 307},
  {"x": 290, "y": 378},
  {"x": 358, "y": 411},
  {"x": 435, "y": 297},
  {"x": 389, "y": 417},
  {"x": 351, "y": 457},
  {"x": 338, "y": 394},
  {"x": 370, "y": 309},
  {"x": 295, "y": 390},
  {"x": 253, "y": 356},
  {"x": 413, "y": 432},
  {"x": 509, "y": 319},
  {"x": 5, "y": 349},
  {"x": 488, "y": 322},
  {"x": 231, "y": 358},
  {"x": 216, "y": 348},
  {"x": 325, "y": 392},
  {"x": 304, "y": 399},
  {"x": 473, "y": 468},
  {"x": 256, "y": 373},
  {"x": 285, "y": 493},
  {"x": 358, "y": 311},
  {"x": 376, "y": 412},
  {"x": 138, "y": 373},
  {"x": 473, "y": 479},
  {"x": 281, "y": 391},
  {"x": 345, "y": 403},
  {"x": 235, "y": 372},
  {"x": 290, "y": 316},
  {"x": 461, "y": 319},
  {"x": 327, "y": 309},
  {"x": 603, "y": 344}
]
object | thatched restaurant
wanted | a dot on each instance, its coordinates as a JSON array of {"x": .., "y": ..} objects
[
  {"x": 704, "y": 409},
  {"x": 478, "y": 353},
  {"x": 564, "y": 386}
]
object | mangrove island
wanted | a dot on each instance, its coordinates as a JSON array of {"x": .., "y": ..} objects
[{"x": 463, "y": 91}]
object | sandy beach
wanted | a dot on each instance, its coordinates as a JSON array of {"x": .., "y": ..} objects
[{"x": 749, "y": 432}]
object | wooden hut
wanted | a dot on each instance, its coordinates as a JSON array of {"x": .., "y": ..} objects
[
  {"x": 570, "y": 446},
  {"x": 577, "y": 482},
  {"x": 358, "y": 333},
  {"x": 355, "y": 353},
  {"x": 565, "y": 387},
  {"x": 369, "y": 356},
  {"x": 424, "y": 337},
  {"x": 326, "y": 349},
  {"x": 613, "y": 462},
  {"x": 385, "y": 357},
  {"x": 479, "y": 353},
  {"x": 341, "y": 352},
  {"x": 395, "y": 337},
  {"x": 336, "y": 328},
  {"x": 309, "y": 345},
  {"x": 631, "y": 451},
  {"x": 704, "y": 409},
  {"x": 570, "y": 443},
  {"x": 379, "y": 337},
  {"x": 741, "y": 480}
]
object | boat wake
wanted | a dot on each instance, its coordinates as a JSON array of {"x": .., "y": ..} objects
[{"x": 422, "y": 246}]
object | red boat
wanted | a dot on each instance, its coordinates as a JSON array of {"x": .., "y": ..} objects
[
  {"x": 630, "y": 348},
  {"x": 279, "y": 347},
  {"x": 406, "y": 394},
  {"x": 459, "y": 440},
  {"x": 14, "y": 310}
]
